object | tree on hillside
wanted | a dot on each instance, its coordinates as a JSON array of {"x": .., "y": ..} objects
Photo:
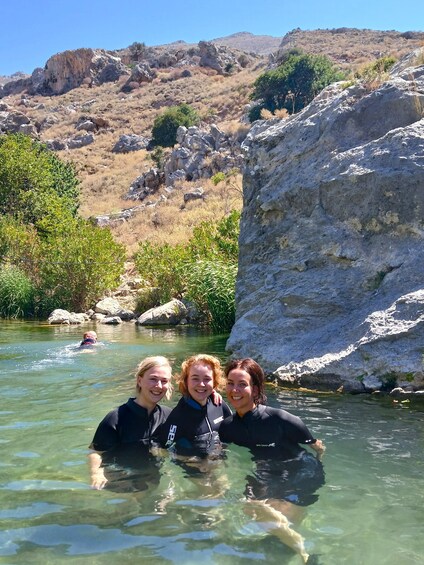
[
  {"x": 35, "y": 186},
  {"x": 293, "y": 84},
  {"x": 137, "y": 50},
  {"x": 164, "y": 131}
]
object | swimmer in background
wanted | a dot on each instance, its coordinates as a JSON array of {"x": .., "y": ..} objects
[{"x": 89, "y": 339}]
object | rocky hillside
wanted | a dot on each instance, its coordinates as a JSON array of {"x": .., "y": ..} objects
[
  {"x": 330, "y": 290},
  {"x": 96, "y": 109}
]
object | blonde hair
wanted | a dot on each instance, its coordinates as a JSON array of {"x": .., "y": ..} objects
[
  {"x": 200, "y": 359},
  {"x": 91, "y": 334},
  {"x": 149, "y": 363}
]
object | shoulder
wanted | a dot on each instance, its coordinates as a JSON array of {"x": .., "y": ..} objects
[
  {"x": 112, "y": 418},
  {"x": 163, "y": 412}
]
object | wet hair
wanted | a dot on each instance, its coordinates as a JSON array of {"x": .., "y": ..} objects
[
  {"x": 90, "y": 335},
  {"x": 256, "y": 373},
  {"x": 149, "y": 363},
  {"x": 200, "y": 359}
]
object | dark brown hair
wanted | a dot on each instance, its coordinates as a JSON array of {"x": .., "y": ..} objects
[{"x": 256, "y": 374}]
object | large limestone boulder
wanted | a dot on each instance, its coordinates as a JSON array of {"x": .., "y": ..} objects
[
  {"x": 171, "y": 313},
  {"x": 330, "y": 288},
  {"x": 111, "y": 307},
  {"x": 59, "y": 316}
]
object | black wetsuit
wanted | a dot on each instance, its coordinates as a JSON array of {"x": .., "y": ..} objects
[
  {"x": 125, "y": 435},
  {"x": 283, "y": 468},
  {"x": 192, "y": 428},
  {"x": 88, "y": 342},
  {"x": 130, "y": 423}
]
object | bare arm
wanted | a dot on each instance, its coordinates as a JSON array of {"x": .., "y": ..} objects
[
  {"x": 98, "y": 479},
  {"x": 319, "y": 448}
]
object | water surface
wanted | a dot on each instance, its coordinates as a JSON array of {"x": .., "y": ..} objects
[{"x": 370, "y": 510}]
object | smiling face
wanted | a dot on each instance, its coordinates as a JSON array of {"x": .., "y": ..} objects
[
  {"x": 152, "y": 386},
  {"x": 200, "y": 382},
  {"x": 240, "y": 391}
]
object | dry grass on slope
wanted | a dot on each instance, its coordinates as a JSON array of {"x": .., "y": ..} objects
[
  {"x": 172, "y": 221},
  {"x": 106, "y": 176}
]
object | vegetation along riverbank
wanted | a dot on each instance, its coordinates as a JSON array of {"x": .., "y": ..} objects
[{"x": 278, "y": 196}]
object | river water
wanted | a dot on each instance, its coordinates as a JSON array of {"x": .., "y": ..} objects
[{"x": 370, "y": 510}]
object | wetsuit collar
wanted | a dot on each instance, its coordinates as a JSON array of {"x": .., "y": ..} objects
[
  {"x": 140, "y": 410},
  {"x": 253, "y": 414},
  {"x": 194, "y": 404}
]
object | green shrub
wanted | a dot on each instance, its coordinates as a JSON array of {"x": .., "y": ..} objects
[
  {"x": 294, "y": 84},
  {"x": 16, "y": 293},
  {"x": 19, "y": 244},
  {"x": 78, "y": 267},
  {"x": 202, "y": 271},
  {"x": 36, "y": 186},
  {"x": 164, "y": 131},
  {"x": 377, "y": 70},
  {"x": 210, "y": 285},
  {"x": 163, "y": 266}
]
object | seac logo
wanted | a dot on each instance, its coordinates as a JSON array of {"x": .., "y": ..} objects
[{"x": 171, "y": 435}]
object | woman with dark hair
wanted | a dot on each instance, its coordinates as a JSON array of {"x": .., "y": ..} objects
[{"x": 286, "y": 475}]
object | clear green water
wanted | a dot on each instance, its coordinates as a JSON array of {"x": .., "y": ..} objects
[{"x": 370, "y": 511}]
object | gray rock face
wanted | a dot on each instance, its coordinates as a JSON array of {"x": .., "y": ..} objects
[
  {"x": 145, "y": 185},
  {"x": 12, "y": 121},
  {"x": 330, "y": 288},
  {"x": 201, "y": 154},
  {"x": 219, "y": 58},
  {"x": 140, "y": 74},
  {"x": 130, "y": 142}
]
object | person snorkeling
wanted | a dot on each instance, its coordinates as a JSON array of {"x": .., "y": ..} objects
[{"x": 89, "y": 339}]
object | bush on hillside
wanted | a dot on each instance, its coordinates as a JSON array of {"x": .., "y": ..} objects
[
  {"x": 294, "y": 84},
  {"x": 376, "y": 71},
  {"x": 36, "y": 186},
  {"x": 164, "y": 131}
]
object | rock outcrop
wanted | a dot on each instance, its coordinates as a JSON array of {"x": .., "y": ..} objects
[
  {"x": 330, "y": 291},
  {"x": 70, "y": 69},
  {"x": 201, "y": 154},
  {"x": 13, "y": 121}
]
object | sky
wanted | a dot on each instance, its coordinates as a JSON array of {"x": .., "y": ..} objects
[{"x": 31, "y": 31}]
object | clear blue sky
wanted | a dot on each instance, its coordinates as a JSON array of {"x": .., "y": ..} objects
[{"x": 34, "y": 30}]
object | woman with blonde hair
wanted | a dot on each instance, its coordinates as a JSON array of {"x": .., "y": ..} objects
[
  {"x": 135, "y": 423},
  {"x": 192, "y": 427}
]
